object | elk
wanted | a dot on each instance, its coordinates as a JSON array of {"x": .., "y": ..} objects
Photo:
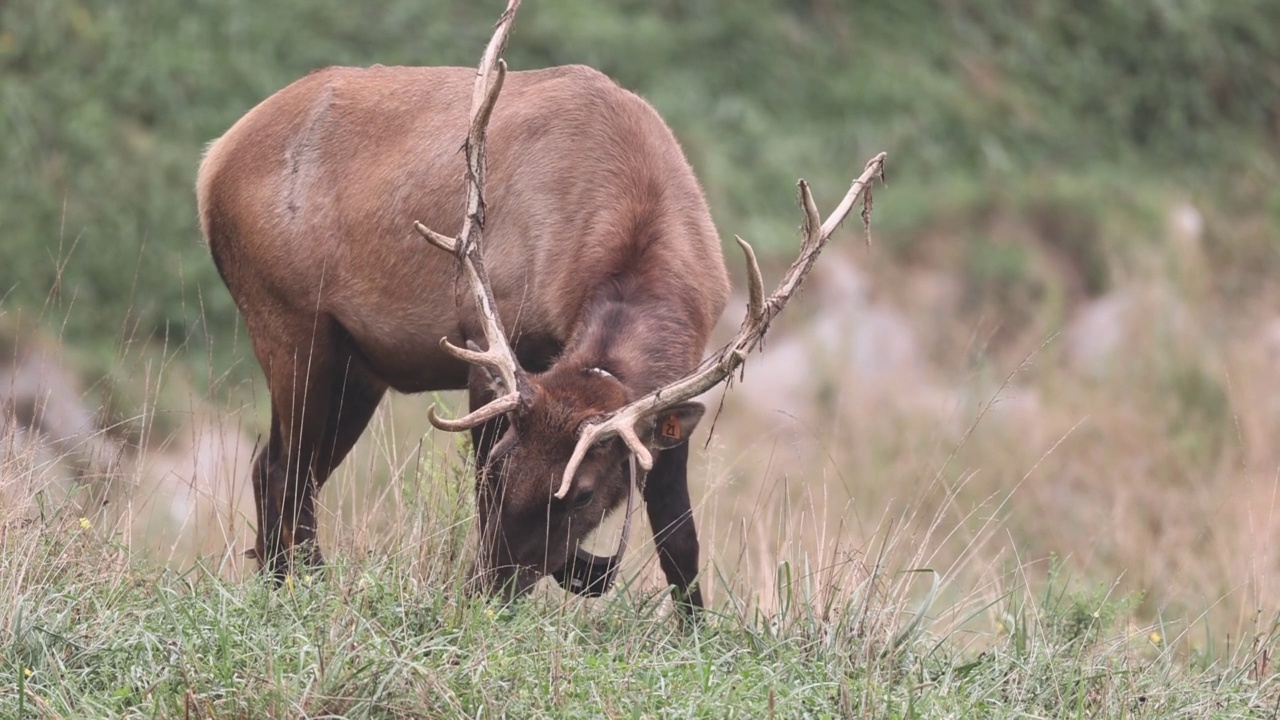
[{"x": 577, "y": 281}]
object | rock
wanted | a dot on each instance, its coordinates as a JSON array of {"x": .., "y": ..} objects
[
  {"x": 833, "y": 336},
  {"x": 50, "y": 437}
]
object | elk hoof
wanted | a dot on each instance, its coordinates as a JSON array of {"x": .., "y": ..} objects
[{"x": 304, "y": 560}]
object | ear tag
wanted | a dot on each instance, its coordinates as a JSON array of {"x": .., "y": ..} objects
[{"x": 671, "y": 428}]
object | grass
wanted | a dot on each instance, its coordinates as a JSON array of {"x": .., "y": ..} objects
[
  {"x": 90, "y": 630},
  {"x": 942, "y": 607}
]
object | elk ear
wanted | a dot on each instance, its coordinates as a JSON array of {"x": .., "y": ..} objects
[
  {"x": 675, "y": 424},
  {"x": 504, "y": 445},
  {"x": 484, "y": 378}
]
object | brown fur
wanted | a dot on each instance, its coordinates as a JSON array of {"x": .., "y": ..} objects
[{"x": 598, "y": 244}]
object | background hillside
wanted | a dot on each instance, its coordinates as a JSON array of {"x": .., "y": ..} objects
[
  {"x": 1078, "y": 117},
  {"x": 1092, "y": 188}
]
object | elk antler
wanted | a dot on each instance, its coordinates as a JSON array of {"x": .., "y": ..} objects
[
  {"x": 760, "y": 312},
  {"x": 498, "y": 355}
]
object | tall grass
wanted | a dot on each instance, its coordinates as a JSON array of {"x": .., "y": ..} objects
[
  {"x": 864, "y": 557},
  {"x": 95, "y": 628}
]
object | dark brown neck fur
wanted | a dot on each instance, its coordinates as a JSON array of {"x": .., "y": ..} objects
[{"x": 646, "y": 334}]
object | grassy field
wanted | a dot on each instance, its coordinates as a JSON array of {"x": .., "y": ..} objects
[
  {"x": 93, "y": 630},
  {"x": 889, "y": 580}
]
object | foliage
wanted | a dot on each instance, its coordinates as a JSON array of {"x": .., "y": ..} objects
[{"x": 104, "y": 107}]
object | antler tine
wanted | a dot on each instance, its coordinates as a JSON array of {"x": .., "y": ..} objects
[
  {"x": 760, "y": 313},
  {"x": 755, "y": 282},
  {"x": 498, "y": 354},
  {"x": 874, "y": 169},
  {"x": 444, "y": 242},
  {"x": 620, "y": 424},
  {"x": 499, "y": 407}
]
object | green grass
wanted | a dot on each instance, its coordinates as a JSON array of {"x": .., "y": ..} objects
[{"x": 90, "y": 631}]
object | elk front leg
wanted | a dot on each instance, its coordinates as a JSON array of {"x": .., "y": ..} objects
[
  {"x": 666, "y": 496},
  {"x": 485, "y": 578}
]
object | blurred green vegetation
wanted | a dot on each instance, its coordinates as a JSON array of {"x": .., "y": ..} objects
[{"x": 1079, "y": 116}]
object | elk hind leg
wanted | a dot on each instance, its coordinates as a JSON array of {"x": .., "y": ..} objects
[{"x": 321, "y": 410}]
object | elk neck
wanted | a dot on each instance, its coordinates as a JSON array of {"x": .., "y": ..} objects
[{"x": 642, "y": 333}]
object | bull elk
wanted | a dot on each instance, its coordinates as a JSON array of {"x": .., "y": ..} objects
[{"x": 598, "y": 251}]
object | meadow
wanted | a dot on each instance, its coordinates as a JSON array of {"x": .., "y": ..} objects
[{"x": 1014, "y": 458}]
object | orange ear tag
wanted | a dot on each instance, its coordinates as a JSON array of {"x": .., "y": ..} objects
[{"x": 671, "y": 428}]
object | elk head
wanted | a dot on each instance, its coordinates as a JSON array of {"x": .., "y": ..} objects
[{"x": 529, "y": 524}]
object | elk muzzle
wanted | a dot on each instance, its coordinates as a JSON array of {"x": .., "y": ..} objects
[{"x": 582, "y": 572}]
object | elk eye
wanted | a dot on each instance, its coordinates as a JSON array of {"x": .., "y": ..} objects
[{"x": 583, "y": 499}]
